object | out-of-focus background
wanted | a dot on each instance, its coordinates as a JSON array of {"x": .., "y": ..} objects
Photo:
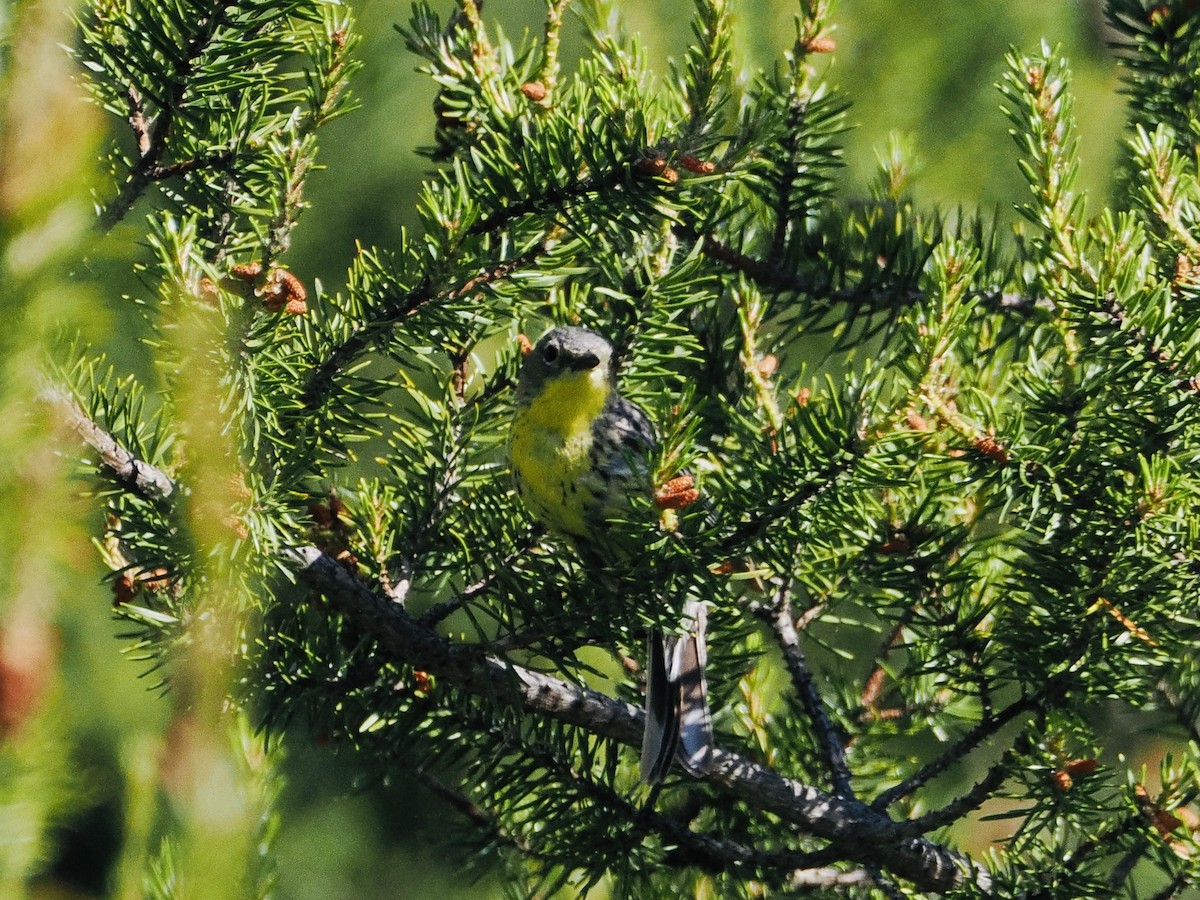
[{"x": 72, "y": 708}]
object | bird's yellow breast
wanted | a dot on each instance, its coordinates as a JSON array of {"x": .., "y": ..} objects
[{"x": 551, "y": 448}]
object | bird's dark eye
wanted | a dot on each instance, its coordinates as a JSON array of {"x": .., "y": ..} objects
[{"x": 550, "y": 354}]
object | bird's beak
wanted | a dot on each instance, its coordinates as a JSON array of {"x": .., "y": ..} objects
[{"x": 585, "y": 362}]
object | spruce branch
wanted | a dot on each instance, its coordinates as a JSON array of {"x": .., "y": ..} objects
[
  {"x": 1105, "y": 837},
  {"x": 787, "y": 217},
  {"x": 821, "y": 483},
  {"x": 320, "y": 380},
  {"x": 444, "y": 608},
  {"x": 984, "y": 788},
  {"x": 967, "y": 743},
  {"x": 1140, "y": 342},
  {"x": 153, "y": 138},
  {"x": 859, "y": 833},
  {"x": 135, "y": 474},
  {"x": 554, "y": 199},
  {"x": 1050, "y": 487},
  {"x": 547, "y": 74},
  {"x": 778, "y": 615},
  {"x": 874, "y": 297},
  {"x": 709, "y": 852},
  {"x": 477, "y": 816}
]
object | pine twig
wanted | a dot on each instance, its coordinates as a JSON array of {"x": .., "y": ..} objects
[
  {"x": 440, "y": 611},
  {"x": 136, "y": 474},
  {"x": 833, "y": 749},
  {"x": 958, "y": 751},
  {"x": 320, "y": 379},
  {"x": 960, "y": 806},
  {"x": 152, "y": 137},
  {"x": 858, "y": 832}
]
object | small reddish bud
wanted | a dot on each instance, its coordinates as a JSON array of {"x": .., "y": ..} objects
[
  {"x": 237, "y": 485},
  {"x": 1061, "y": 780},
  {"x": 697, "y": 166},
  {"x": 207, "y": 291},
  {"x": 650, "y": 165},
  {"x": 767, "y": 365},
  {"x": 422, "y": 681},
  {"x": 1084, "y": 766},
  {"x": 1163, "y": 821},
  {"x": 534, "y": 90},
  {"x": 1186, "y": 270},
  {"x": 671, "y": 176},
  {"x": 125, "y": 588},
  {"x": 237, "y": 526},
  {"x": 247, "y": 272},
  {"x": 156, "y": 580},
  {"x": 280, "y": 290},
  {"x": 988, "y": 446},
  {"x": 821, "y": 44},
  {"x": 524, "y": 344},
  {"x": 916, "y": 421},
  {"x": 1190, "y": 820},
  {"x": 803, "y": 396},
  {"x": 321, "y": 515},
  {"x": 677, "y": 493},
  {"x": 284, "y": 291}
]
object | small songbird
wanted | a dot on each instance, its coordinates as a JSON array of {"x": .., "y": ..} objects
[{"x": 578, "y": 453}]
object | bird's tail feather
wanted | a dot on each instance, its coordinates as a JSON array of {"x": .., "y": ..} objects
[
  {"x": 661, "y": 735},
  {"x": 677, "y": 716}
]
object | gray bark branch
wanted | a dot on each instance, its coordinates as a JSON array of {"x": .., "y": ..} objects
[
  {"x": 136, "y": 474},
  {"x": 858, "y": 833}
]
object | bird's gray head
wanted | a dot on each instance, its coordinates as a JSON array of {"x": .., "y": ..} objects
[{"x": 562, "y": 351}]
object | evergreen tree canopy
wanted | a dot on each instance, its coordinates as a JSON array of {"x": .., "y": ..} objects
[{"x": 950, "y": 527}]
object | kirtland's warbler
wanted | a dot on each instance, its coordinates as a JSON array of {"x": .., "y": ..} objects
[{"x": 578, "y": 452}]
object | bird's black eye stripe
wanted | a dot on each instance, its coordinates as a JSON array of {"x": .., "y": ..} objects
[{"x": 550, "y": 354}]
